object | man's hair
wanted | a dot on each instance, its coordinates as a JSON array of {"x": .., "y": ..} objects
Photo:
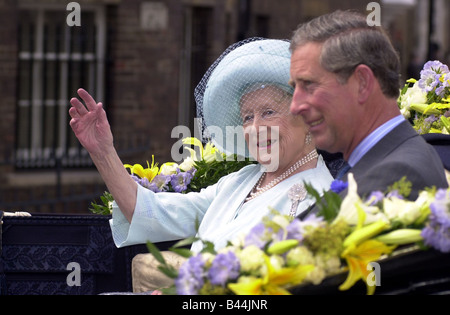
[{"x": 349, "y": 41}]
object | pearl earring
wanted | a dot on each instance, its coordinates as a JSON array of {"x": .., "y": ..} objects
[{"x": 308, "y": 138}]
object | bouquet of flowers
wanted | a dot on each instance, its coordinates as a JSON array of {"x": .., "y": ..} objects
[
  {"x": 204, "y": 167},
  {"x": 347, "y": 235},
  {"x": 426, "y": 102}
]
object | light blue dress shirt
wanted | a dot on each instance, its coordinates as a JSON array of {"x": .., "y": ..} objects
[
  {"x": 373, "y": 139},
  {"x": 220, "y": 208}
]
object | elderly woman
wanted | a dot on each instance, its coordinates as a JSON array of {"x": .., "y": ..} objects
[{"x": 244, "y": 94}]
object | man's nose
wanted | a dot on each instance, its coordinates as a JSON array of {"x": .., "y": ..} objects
[{"x": 298, "y": 103}]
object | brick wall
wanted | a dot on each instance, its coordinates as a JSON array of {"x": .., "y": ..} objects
[{"x": 142, "y": 87}]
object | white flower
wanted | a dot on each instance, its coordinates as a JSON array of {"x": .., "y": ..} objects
[
  {"x": 276, "y": 261},
  {"x": 401, "y": 210},
  {"x": 300, "y": 255},
  {"x": 447, "y": 175},
  {"x": 251, "y": 258},
  {"x": 405, "y": 112},
  {"x": 351, "y": 202},
  {"x": 168, "y": 168},
  {"x": 187, "y": 164},
  {"x": 316, "y": 275},
  {"x": 414, "y": 95},
  {"x": 405, "y": 211},
  {"x": 281, "y": 221}
]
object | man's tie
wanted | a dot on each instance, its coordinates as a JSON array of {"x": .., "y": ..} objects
[{"x": 343, "y": 171}]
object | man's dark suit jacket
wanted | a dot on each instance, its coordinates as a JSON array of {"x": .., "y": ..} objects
[{"x": 402, "y": 152}]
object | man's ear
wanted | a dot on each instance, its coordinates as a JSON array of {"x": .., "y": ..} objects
[{"x": 366, "y": 80}]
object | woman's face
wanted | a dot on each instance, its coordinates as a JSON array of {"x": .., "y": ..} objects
[{"x": 274, "y": 136}]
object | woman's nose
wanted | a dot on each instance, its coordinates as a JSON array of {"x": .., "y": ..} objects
[{"x": 257, "y": 121}]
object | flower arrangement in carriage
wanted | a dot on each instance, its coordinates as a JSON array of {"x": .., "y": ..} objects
[
  {"x": 426, "y": 102},
  {"x": 281, "y": 253}
]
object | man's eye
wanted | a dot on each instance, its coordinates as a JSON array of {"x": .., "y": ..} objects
[{"x": 307, "y": 85}]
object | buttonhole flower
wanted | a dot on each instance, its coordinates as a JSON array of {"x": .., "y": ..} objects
[{"x": 338, "y": 185}]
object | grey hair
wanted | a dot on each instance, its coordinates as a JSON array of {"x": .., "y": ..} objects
[{"x": 348, "y": 41}]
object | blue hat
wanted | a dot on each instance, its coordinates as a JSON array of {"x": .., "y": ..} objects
[{"x": 244, "y": 64}]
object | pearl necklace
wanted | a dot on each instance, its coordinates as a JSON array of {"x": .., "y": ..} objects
[{"x": 258, "y": 190}]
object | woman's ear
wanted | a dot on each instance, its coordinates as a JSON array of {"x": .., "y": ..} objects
[{"x": 366, "y": 80}]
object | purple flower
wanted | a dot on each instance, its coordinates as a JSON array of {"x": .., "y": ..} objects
[
  {"x": 297, "y": 228},
  {"x": 395, "y": 194},
  {"x": 190, "y": 276},
  {"x": 443, "y": 89},
  {"x": 180, "y": 180},
  {"x": 431, "y": 119},
  {"x": 159, "y": 183},
  {"x": 430, "y": 75},
  {"x": 436, "y": 66},
  {"x": 437, "y": 232},
  {"x": 224, "y": 267},
  {"x": 338, "y": 185},
  {"x": 428, "y": 80},
  {"x": 256, "y": 236},
  {"x": 375, "y": 197}
]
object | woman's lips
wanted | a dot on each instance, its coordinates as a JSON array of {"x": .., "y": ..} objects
[{"x": 266, "y": 143}]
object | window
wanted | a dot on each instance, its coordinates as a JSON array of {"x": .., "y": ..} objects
[
  {"x": 54, "y": 61},
  {"x": 197, "y": 57}
]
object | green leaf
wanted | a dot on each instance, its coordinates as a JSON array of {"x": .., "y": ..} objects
[
  {"x": 328, "y": 204},
  {"x": 169, "y": 271},
  {"x": 183, "y": 252},
  {"x": 186, "y": 242},
  {"x": 156, "y": 253},
  {"x": 208, "y": 247},
  {"x": 172, "y": 290}
]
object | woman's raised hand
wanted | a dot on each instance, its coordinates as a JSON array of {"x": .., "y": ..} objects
[{"x": 90, "y": 124}]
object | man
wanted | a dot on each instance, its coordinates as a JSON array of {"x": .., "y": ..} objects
[{"x": 346, "y": 79}]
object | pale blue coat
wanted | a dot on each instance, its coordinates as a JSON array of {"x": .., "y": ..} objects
[{"x": 220, "y": 208}]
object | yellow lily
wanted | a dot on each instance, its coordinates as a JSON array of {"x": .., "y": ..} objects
[
  {"x": 274, "y": 281},
  {"x": 446, "y": 122},
  {"x": 401, "y": 236},
  {"x": 363, "y": 230},
  {"x": 211, "y": 153},
  {"x": 425, "y": 108},
  {"x": 150, "y": 172},
  {"x": 360, "y": 250},
  {"x": 358, "y": 258},
  {"x": 195, "y": 142}
]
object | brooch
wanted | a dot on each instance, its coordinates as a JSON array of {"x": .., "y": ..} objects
[{"x": 297, "y": 193}]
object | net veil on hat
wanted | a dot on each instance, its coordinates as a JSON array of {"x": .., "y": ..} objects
[{"x": 253, "y": 61}]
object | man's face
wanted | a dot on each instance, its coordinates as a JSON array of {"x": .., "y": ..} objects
[{"x": 327, "y": 106}]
